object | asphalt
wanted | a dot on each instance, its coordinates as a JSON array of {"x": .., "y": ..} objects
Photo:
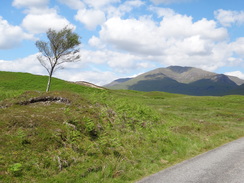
[{"x": 224, "y": 164}]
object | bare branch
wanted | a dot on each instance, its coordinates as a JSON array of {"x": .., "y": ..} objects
[{"x": 43, "y": 62}]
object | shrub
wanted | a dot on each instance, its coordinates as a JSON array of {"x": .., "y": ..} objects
[{"x": 16, "y": 169}]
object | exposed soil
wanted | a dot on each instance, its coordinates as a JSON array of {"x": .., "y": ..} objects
[
  {"x": 45, "y": 99},
  {"x": 84, "y": 83}
]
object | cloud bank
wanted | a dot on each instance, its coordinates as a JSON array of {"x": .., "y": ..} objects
[
  {"x": 121, "y": 43},
  {"x": 227, "y": 17},
  {"x": 11, "y": 36}
]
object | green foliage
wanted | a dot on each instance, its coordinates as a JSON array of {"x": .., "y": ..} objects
[
  {"x": 105, "y": 135},
  {"x": 60, "y": 43},
  {"x": 16, "y": 169},
  {"x": 60, "y": 48},
  {"x": 8, "y": 94}
]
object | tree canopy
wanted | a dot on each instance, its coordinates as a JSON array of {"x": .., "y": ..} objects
[{"x": 61, "y": 47}]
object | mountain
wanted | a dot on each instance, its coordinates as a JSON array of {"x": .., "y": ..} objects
[
  {"x": 117, "y": 81},
  {"x": 182, "y": 80}
]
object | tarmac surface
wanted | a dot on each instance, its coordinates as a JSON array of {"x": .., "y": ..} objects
[{"x": 224, "y": 164}]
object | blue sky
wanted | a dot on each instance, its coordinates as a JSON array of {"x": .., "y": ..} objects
[{"x": 123, "y": 38}]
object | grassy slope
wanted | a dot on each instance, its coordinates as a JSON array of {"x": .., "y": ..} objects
[{"x": 103, "y": 135}]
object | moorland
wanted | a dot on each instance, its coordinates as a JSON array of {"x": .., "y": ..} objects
[{"x": 77, "y": 133}]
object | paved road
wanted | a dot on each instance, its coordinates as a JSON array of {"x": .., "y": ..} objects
[{"x": 221, "y": 165}]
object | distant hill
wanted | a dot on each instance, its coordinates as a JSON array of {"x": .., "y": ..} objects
[
  {"x": 84, "y": 83},
  {"x": 117, "y": 81},
  {"x": 182, "y": 80}
]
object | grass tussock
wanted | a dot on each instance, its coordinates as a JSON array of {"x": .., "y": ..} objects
[{"x": 81, "y": 134}]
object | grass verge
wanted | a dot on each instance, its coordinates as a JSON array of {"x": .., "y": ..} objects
[{"x": 82, "y": 134}]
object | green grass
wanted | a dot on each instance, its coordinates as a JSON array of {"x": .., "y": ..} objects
[{"x": 105, "y": 135}]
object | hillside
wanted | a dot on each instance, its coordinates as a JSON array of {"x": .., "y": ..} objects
[
  {"x": 182, "y": 80},
  {"x": 82, "y": 134},
  {"x": 117, "y": 81}
]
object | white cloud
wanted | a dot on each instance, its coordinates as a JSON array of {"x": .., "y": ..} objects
[
  {"x": 30, "y": 3},
  {"x": 144, "y": 36},
  {"x": 91, "y": 61},
  {"x": 169, "y": 1},
  {"x": 40, "y": 17},
  {"x": 37, "y": 23},
  {"x": 137, "y": 36},
  {"x": 118, "y": 61},
  {"x": 161, "y": 12},
  {"x": 134, "y": 3},
  {"x": 74, "y": 4},
  {"x": 181, "y": 26},
  {"x": 94, "y": 13},
  {"x": 91, "y": 18},
  {"x": 122, "y": 62},
  {"x": 176, "y": 40},
  {"x": 96, "y": 42},
  {"x": 128, "y": 45},
  {"x": 100, "y": 3},
  {"x": 96, "y": 77},
  {"x": 238, "y": 74},
  {"x": 123, "y": 8},
  {"x": 11, "y": 36},
  {"x": 227, "y": 17},
  {"x": 127, "y": 6},
  {"x": 218, "y": 57},
  {"x": 238, "y": 46},
  {"x": 194, "y": 45},
  {"x": 29, "y": 64}
]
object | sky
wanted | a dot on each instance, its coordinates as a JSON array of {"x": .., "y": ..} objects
[{"x": 124, "y": 38}]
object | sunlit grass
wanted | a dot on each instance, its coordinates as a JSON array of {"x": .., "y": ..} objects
[{"x": 105, "y": 135}]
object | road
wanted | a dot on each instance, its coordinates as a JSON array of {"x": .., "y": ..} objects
[{"x": 224, "y": 164}]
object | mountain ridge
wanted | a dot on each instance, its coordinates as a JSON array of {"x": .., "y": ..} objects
[{"x": 181, "y": 80}]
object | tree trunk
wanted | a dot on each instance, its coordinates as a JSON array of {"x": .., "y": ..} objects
[
  {"x": 49, "y": 83},
  {"x": 50, "y": 79}
]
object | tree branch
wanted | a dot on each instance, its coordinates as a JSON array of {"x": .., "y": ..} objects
[{"x": 59, "y": 49}]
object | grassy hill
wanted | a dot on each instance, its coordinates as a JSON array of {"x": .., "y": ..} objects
[{"x": 80, "y": 134}]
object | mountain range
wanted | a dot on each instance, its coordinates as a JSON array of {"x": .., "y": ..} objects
[{"x": 182, "y": 80}]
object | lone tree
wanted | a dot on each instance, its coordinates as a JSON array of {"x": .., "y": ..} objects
[{"x": 60, "y": 48}]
